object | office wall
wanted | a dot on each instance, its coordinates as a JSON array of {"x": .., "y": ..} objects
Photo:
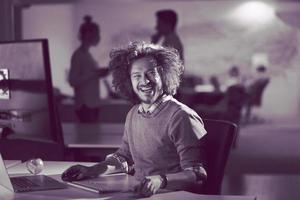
[
  {"x": 213, "y": 41},
  {"x": 55, "y": 22}
]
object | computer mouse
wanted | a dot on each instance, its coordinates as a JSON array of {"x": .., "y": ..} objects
[{"x": 70, "y": 174}]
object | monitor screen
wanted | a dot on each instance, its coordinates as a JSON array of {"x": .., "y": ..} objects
[{"x": 26, "y": 97}]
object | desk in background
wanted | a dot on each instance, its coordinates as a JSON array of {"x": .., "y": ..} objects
[
  {"x": 96, "y": 135},
  {"x": 110, "y": 110},
  {"x": 54, "y": 169},
  {"x": 92, "y": 141},
  {"x": 192, "y": 97}
]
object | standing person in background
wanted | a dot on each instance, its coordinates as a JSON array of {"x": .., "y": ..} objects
[
  {"x": 166, "y": 21},
  {"x": 163, "y": 141},
  {"x": 85, "y": 73}
]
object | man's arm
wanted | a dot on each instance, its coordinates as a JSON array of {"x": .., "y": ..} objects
[
  {"x": 80, "y": 172},
  {"x": 181, "y": 180},
  {"x": 120, "y": 161},
  {"x": 112, "y": 163},
  {"x": 186, "y": 132}
]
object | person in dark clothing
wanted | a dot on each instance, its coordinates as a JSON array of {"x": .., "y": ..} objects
[
  {"x": 85, "y": 73},
  {"x": 166, "y": 31}
]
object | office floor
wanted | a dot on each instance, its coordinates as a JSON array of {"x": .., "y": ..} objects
[{"x": 266, "y": 161}]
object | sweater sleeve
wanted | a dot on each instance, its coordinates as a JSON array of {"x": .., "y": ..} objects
[
  {"x": 123, "y": 157},
  {"x": 124, "y": 150},
  {"x": 185, "y": 131}
]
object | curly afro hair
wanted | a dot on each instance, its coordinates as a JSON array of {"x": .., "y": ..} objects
[{"x": 167, "y": 58}]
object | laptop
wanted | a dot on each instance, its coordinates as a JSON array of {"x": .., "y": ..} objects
[{"x": 27, "y": 183}]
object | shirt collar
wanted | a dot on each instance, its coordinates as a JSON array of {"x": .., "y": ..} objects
[{"x": 155, "y": 105}]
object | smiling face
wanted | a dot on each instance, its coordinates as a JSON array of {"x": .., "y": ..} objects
[{"x": 146, "y": 80}]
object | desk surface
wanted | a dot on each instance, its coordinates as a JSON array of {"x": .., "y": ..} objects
[
  {"x": 97, "y": 135},
  {"x": 51, "y": 167},
  {"x": 192, "y": 97},
  {"x": 11, "y": 163},
  {"x": 55, "y": 168}
]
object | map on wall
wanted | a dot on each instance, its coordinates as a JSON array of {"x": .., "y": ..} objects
[{"x": 4, "y": 89}]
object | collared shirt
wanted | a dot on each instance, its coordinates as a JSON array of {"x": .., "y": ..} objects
[{"x": 155, "y": 105}]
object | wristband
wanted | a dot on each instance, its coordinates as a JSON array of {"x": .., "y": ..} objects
[
  {"x": 164, "y": 181},
  {"x": 121, "y": 160}
]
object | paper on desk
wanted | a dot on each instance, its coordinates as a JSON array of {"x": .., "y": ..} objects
[{"x": 111, "y": 170}]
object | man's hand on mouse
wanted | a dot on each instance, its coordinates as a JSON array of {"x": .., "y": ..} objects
[
  {"x": 77, "y": 172},
  {"x": 80, "y": 172}
]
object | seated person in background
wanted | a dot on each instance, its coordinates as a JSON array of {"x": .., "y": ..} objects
[
  {"x": 234, "y": 78},
  {"x": 260, "y": 74},
  {"x": 214, "y": 81},
  {"x": 230, "y": 107},
  {"x": 163, "y": 138}
]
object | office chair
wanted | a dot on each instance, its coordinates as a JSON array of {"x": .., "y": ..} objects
[
  {"x": 255, "y": 94},
  {"x": 218, "y": 141}
]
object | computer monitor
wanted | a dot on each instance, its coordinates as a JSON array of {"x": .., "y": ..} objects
[{"x": 26, "y": 96}]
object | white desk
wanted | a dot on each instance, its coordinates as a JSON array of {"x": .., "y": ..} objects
[
  {"x": 56, "y": 168},
  {"x": 51, "y": 167},
  {"x": 97, "y": 135},
  {"x": 11, "y": 163}
]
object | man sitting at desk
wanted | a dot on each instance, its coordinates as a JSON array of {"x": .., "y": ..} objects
[{"x": 161, "y": 143}]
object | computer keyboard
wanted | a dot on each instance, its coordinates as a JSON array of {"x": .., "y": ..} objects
[{"x": 23, "y": 182}]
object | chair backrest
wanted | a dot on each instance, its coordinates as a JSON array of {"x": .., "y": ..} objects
[
  {"x": 256, "y": 91},
  {"x": 236, "y": 97},
  {"x": 218, "y": 142}
]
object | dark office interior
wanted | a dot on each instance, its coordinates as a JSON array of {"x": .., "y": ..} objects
[{"x": 224, "y": 41}]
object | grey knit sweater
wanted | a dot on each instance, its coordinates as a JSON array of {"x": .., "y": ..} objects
[{"x": 164, "y": 141}]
